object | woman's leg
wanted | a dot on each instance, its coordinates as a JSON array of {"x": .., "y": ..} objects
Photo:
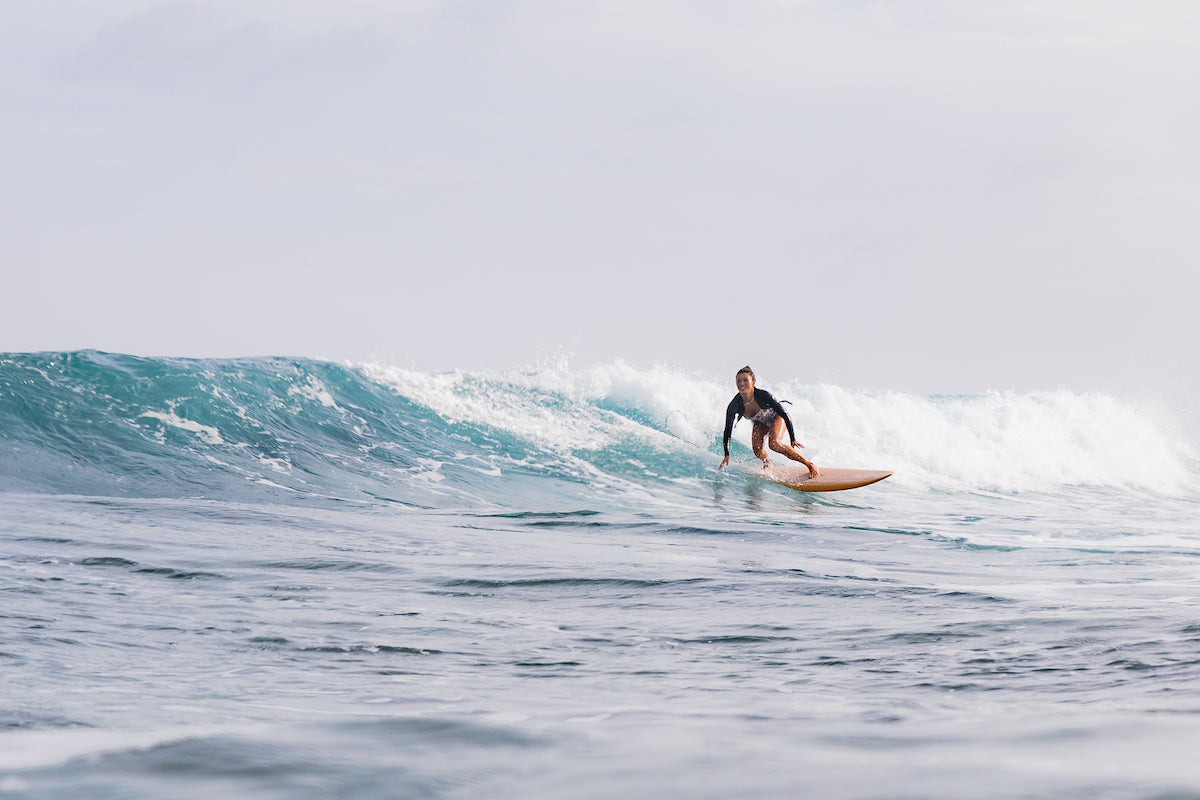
[
  {"x": 780, "y": 446},
  {"x": 756, "y": 442}
]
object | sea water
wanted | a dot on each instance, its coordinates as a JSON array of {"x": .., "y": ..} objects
[{"x": 280, "y": 578}]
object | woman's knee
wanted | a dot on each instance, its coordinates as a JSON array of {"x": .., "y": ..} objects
[{"x": 778, "y": 446}]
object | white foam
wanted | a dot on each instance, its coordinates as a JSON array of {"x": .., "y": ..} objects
[
  {"x": 205, "y": 432},
  {"x": 673, "y": 401},
  {"x": 314, "y": 389},
  {"x": 499, "y": 402},
  {"x": 280, "y": 465},
  {"x": 999, "y": 440},
  {"x": 273, "y": 485}
]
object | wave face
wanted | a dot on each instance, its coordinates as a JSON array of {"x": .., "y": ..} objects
[{"x": 91, "y": 423}]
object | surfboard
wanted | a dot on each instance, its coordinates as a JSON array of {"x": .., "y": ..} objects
[{"x": 831, "y": 479}]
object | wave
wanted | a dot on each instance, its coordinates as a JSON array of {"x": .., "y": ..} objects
[{"x": 297, "y": 430}]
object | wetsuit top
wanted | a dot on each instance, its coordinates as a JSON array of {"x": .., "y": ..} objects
[{"x": 769, "y": 405}]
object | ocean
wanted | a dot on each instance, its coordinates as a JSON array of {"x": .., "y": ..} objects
[{"x": 289, "y": 578}]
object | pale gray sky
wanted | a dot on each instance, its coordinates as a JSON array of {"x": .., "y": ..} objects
[{"x": 926, "y": 195}]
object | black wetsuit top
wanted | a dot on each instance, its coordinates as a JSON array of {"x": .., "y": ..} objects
[{"x": 737, "y": 408}]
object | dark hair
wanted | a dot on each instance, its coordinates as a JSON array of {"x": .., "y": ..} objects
[{"x": 746, "y": 369}]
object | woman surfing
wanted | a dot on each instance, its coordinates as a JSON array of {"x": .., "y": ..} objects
[{"x": 768, "y": 416}]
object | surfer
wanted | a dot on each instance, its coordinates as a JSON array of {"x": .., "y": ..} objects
[{"x": 768, "y": 416}]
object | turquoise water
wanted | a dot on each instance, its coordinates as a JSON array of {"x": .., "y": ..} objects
[{"x": 290, "y": 578}]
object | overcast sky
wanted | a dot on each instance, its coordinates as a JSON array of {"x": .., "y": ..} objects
[{"x": 927, "y": 195}]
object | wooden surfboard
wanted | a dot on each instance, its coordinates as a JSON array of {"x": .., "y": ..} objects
[{"x": 831, "y": 479}]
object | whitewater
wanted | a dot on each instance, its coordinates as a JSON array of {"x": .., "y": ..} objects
[{"x": 291, "y": 578}]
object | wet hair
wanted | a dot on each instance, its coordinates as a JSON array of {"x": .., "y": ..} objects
[{"x": 746, "y": 369}]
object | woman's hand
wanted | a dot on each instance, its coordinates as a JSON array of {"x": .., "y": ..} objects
[
  {"x": 797, "y": 444},
  {"x": 724, "y": 463}
]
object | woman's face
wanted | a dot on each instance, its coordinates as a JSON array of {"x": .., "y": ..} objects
[{"x": 744, "y": 382}]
